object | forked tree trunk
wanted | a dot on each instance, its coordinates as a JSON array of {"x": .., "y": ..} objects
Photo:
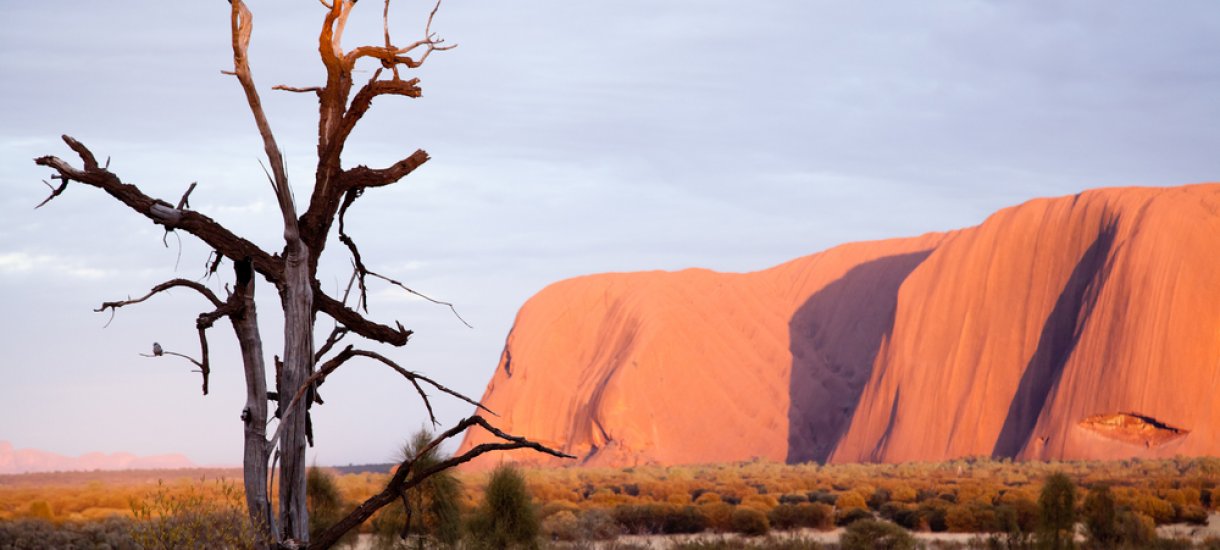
[
  {"x": 298, "y": 366},
  {"x": 254, "y": 416}
]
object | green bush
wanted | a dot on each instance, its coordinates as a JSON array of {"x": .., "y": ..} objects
[
  {"x": 1100, "y": 514},
  {"x": 871, "y": 534},
  {"x": 1192, "y": 514},
  {"x": 657, "y": 519},
  {"x": 562, "y": 525},
  {"x": 972, "y": 518},
  {"x": 1136, "y": 530},
  {"x": 1057, "y": 512},
  {"x": 933, "y": 513},
  {"x": 324, "y": 503},
  {"x": 435, "y": 512},
  {"x": 849, "y": 516},
  {"x": 750, "y": 522},
  {"x": 506, "y": 517},
  {"x": 806, "y": 514}
]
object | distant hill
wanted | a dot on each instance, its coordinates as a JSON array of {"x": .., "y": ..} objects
[
  {"x": 20, "y": 461},
  {"x": 364, "y": 468},
  {"x": 1079, "y": 327}
]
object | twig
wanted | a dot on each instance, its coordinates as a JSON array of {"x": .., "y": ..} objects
[
  {"x": 185, "y": 196},
  {"x": 55, "y": 191},
  {"x": 302, "y": 90},
  {"x": 421, "y": 295}
]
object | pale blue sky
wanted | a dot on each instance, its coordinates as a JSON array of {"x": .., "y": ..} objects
[{"x": 567, "y": 138}]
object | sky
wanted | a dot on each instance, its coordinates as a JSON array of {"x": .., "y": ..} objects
[{"x": 567, "y": 138}]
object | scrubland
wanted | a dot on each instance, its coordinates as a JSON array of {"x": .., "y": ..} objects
[{"x": 989, "y": 503}]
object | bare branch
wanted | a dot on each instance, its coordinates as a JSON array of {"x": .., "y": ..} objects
[
  {"x": 55, "y": 191},
  {"x": 305, "y": 90},
  {"x": 172, "y": 283},
  {"x": 353, "y": 321},
  {"x": 362, "y": 177},
  {"x": 204, "y": 368},
  {"x": 158, "y": 351},
  {"x": 336, "y": 334},
  {"x": 391, "y": 56},
  {"x": 163, "y": 213},
  {"x": 202, "y": 323},
  {"x": 184, "y": 201},
  {"x": 435, "y": 301},
  {"x": 357, "y": 262},
  {"x": 405, "y": 477},
  {"x": 242, "y": 22}
]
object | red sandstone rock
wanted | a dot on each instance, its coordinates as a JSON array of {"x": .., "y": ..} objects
[{"x": 1075, "y": 327}]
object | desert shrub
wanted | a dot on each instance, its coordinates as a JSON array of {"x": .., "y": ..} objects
[
  {"x": 902, "y": 493},
  {"x": 1135, "y": 529},
  {"x": 851, "y": 499},
  {"x": 1192, "y": 514},
  {"x": 793, "y": 498},
  {"x": 506, "y": 517},
  {"x": 879, "y": 498},
  {"x": 1153, "y": 507},
  {"x": 762, "y": 502},
  {"x": 970, "y": 518},
  {"x": 873, "y": 534},
  {"x": 750, "y": 522},
  {"x": 805, "y": 514},
  {"x": 909, "y": 518},
  {"x": 659, "y": 519},
  {"x": 598, "y": 525},
  {"x": 435, "y": 510},
  {"x": 193, "y": 518},
  {"x": 719, "y": 515},
  {"x": 113, "y": 533},
  {"x": 324, "y": 503},
  {"x": 562, "y": 525},
  {"x": 40, "y": 509},
  {"x": 825, "y": 497},
  {"x": 588, "y": 526},
  {"x": 551, "y": 508},
  {"x": 1024, "y": 512},
  {"x": 1057, "y": 512},
  {"x": 933, "y": 513},
  {"x": 849, "y": 516},
  {"x": 1100, "y": 514}
]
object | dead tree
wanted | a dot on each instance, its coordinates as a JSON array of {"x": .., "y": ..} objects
[{"x": 293, "y": 273}]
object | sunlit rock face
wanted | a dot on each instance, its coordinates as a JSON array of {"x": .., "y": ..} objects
[{"x": 1069, "y": 328}]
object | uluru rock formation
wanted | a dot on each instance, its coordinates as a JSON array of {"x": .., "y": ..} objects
[{"x": 1082, "y": 327}]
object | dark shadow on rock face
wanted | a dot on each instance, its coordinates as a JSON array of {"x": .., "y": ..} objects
[
  {"x": 1059, "y": 337},
  {"x": 834, "y": 338}
]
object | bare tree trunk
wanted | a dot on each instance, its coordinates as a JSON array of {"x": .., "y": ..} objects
[
  {"x": 254, "y": 463},
  {"x": 298, "y": 366}
]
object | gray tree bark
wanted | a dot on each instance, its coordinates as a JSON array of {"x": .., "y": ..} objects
[{"x": 254, "y": 416}]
